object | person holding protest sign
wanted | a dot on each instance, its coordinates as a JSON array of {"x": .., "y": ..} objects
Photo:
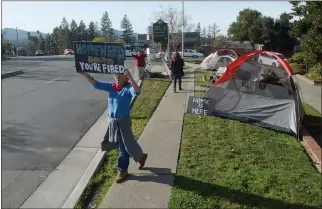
[
  {"x": 119, "y": 134},
  {"x": 140, "y": 62}
]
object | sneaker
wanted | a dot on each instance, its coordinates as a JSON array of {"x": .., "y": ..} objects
[
  {"x": 121, "y": 177},
  {"x": 142, "y": 160},
  {"x": 180, "y": 89}
]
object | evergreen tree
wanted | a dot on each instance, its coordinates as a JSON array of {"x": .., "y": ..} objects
[
  {"x": 82, "y": 31},
  {"x": 127, "y": 29},
  {"x": 106, "y": 26},
  {"x": 91, "y": 32}
]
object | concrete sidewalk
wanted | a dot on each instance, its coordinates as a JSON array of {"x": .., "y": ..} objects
[
  {"x": 310, "y": 94},
  {"x": 151, "y": 187}
]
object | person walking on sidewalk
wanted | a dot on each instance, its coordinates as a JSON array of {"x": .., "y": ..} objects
[
  {"x": 176, "y": 68},
  {"x": 140, "y": 63},
  {"x": 119, "y": 134}
]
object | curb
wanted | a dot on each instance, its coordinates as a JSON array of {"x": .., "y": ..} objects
[
  {"x": 10, "y": 74},
  {"x": 312, "y": 82},
  {"x": 312, "y": 149},
  {"x": 59, "y": 189}
]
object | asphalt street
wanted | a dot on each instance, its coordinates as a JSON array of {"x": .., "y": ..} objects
[{"x": 45, "y": 112}]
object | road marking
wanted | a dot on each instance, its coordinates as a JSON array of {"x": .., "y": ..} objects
[
  {"x": 35, "y": 69},
  {"x": 53, "y": 80}
]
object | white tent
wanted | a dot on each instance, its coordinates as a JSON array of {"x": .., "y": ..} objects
[{"x": 213, "y": 62}]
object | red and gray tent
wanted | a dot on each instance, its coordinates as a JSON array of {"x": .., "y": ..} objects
[{"x": 258, "y": 94}]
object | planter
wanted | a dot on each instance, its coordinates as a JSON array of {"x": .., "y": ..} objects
[{"x": 312, "y": 82}]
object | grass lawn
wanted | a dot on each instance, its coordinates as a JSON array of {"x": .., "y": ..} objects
[
  {"x": 313, "y": 116},
  {"x": 142, "y": 110},
  {"x": 200, "y": 82},
  {"x": 229, "y": 164},
  {"x": 244, "y": 168}
]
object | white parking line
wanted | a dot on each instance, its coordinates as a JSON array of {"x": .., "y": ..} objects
[
  {"x": 53, "y": 80},
  {"x": 35, "y": 69}
]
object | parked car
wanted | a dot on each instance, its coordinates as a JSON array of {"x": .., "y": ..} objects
[
  {"x": 39, "y": 53},
  {"x": 128, "y": 50},
  {"x": 69, "y": 52},
  {"x": 265, "y": 59},
  {"x": 192, "y": 53}
]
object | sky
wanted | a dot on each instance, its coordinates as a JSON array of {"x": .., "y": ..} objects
[{"x": 45, "y": 15}]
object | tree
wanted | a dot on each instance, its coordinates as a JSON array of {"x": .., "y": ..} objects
[
  {"x": 268, "y": 32},
  {"x": 41, "y": 43},
  {"x": 308, "y": 28},
  {"x": 99, "y": 39},
  {"x": 247, "y": 27},
  {"x": 120, "y": 41},
  {"x": 174, "y": 19},
  {"x": 91, "y": 32},
  {"x": 204, "y": 35},
  {"x": 282, "y": 28},
  {"x": 82, "y": 31},
  {"x": 5, "y": 46},
  {"x": 214, "y": 30},
  {"x": 198, "y": 30},
  {"x": 220, "y": 41},
  {"x": 209, "y": 34},
  {"x": 54, "y": 42},
  {"x": 74, "y": 36},
  {"x": 63, "y": 36},
  {"x": 47, "y": 41},
  {"x": 127, "y": 29},
  {"x": 106, "y": 26}
]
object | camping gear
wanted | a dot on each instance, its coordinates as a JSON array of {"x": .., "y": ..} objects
[{"x": 256, "y": 94}]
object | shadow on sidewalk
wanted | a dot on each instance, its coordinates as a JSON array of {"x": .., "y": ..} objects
[{"x": 208, "y": 190}]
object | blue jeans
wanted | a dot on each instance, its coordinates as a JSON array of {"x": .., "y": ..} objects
[
  {"x": 123, "y": 158},
  {"x": 175, "y": 78}
]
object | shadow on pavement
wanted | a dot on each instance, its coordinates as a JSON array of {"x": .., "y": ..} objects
[{"x": 208, "y": 190}]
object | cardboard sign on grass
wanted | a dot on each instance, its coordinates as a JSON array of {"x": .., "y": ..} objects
[
  {"x": 200, "y": 106},
  {"x": 97, "y": 57}
]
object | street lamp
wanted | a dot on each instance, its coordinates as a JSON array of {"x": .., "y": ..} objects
[
  {"x": 182, "y": 45},
  {"x": 17, "y": 33}
]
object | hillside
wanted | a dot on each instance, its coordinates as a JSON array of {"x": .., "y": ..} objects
[{"x": 11, "y": 35}]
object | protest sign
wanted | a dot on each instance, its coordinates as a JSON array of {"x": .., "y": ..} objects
[
  {"x": 97, "y": 57},
  {"x": 200, "y": 106}
]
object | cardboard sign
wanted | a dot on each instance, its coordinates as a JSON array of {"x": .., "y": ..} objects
[
  {"x": 200, "y": 106},
  {"x": 96, "y": 57}
]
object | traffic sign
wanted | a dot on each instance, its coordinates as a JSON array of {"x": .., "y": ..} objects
[{"x": 160, "y": 32}]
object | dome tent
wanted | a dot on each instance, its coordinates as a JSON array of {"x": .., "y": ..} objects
[
  {"x": 250, "y": 94},
  {"x": 221, "y": 58}
]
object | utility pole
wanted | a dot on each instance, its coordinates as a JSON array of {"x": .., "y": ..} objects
[
  {"x": 182, "y": 45},
  {"x": 17, "y": 33},
  {"x": 17, "y": 36}
]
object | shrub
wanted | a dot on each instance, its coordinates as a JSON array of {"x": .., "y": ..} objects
[
  {"x": 298, "y": 57},
  {"x": 315, "y": 72},
  {"x": 308, "y": 59},
  {"x": 289, "y": 60},
  {"x": 298, "y": 68}
]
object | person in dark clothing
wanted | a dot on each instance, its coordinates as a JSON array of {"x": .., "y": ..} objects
[{"x": 176, "y": 68}]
